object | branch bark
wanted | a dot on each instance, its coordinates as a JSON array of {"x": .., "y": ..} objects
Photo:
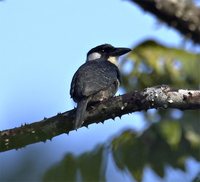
[
  {"x": 180, "y": 14},
  {"x": 153, "y": 97}
]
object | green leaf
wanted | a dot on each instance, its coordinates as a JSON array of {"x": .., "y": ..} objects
[
  {"x": 129, "y": 154},
  {"x": 156, "y": 64},
  {"x": 89, "y": 166},
  {"x": 171, "y": 132},
  {"x": 93, "y": 165},
  {"x": 63, "y": 171}
]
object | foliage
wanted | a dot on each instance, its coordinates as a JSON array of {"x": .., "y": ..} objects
[
  {"x": 157, "y": 147},
  {"x": 155, "y": 64},
  {"x": 86, "y": 167}
]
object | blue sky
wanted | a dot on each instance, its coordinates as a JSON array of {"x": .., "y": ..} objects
[{"x": 42, "y": 45}]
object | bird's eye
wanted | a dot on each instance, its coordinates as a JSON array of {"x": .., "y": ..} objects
[{"x": 103, "y": 50}]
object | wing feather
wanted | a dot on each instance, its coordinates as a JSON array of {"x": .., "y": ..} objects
[{"x": 93, "y": 77}]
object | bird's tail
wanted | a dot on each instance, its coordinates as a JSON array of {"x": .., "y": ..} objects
[{"x": 80, "y": 112}]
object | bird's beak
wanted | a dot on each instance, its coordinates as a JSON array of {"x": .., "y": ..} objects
[{"x": 119, "y": 51}]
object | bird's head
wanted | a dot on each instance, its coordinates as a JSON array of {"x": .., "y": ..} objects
[{"x": 106, "y": 52}]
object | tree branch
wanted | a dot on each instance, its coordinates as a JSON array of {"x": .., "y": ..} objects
[
  {"x": 153, "y": 97},
  {"x": 182, "y": 15}
]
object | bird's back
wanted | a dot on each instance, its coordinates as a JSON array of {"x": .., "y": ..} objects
[{"x": 93, "y": 77}]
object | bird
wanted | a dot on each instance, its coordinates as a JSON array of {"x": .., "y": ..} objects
[{"x": 97, "y": 79}]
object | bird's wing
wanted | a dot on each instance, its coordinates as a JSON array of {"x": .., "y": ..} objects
[
  {"x": 73, "y": 83},
  {"x": 93, "y": 77}
]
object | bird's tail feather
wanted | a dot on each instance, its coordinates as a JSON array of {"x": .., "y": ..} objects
[{"x": 80, "y": 112}]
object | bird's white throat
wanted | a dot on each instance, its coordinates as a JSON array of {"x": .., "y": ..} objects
[
  {"x": 93, "y": 56},
  {"x": 113, "y": 60}
]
